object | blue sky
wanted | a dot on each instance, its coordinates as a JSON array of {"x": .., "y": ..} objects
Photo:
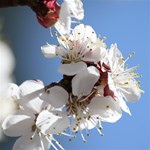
[{"x": 125, "y": 22}]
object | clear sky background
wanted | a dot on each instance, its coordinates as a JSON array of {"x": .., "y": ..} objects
[{"x": 125, "y": 22}]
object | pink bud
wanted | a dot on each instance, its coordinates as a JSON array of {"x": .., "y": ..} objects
[{"x": 52, "y": 15}]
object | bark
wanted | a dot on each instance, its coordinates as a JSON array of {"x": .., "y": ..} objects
[{"x": 36, "y": 5}]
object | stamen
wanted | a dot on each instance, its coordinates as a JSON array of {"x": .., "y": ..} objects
[
  {"x": 87, "y": 133},
  {"x": 33, "y": 134},
  {"x": 67, "y": 134},
  {"x": 51, "y": 32},
  {"x": 71, "y": 122},
  {"x": 87, "y": 97},
  {"x": 126, "y": 91},
  {"x": 93, "y": 122},
  {"x": 56, "y": 33},
  {"x": 130, "y": 55},
  {"x": 51, "y": 143},
  {"x": 82, "y": 135},
  {"x": 58, "y": 144},
  {"x": 100, "y": 125},
  {"x": 70, "y": 139},
  {"x": 41, "y": 141},
  {"x": 74, "y": 21}
]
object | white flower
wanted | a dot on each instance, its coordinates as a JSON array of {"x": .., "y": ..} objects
[
  {"x": 69, "y": 9},
  {"x": 83, "y": 104},
  {"x": 7, "y": 64},
  {"x": 9, "y": 103},
  {"x": 117, "y": 80},
  {"x": 123, "y": 77},
  {"x": 76, "y": 50},
  {"x": 36, "y": 121},
  {"x": 110, "y": 90}
]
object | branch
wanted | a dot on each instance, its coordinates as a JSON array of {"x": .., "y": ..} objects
[{"x": 36, "y": 5}]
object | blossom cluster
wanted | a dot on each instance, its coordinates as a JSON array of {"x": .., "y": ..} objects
[{"x": 95, "y": 87}]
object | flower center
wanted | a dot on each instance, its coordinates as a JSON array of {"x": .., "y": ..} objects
[
  {"x": 75, "y": 50},
  {"x": 71, "y": 57},
  {"x": 79, "y": 105},
  {"x": 75, "y": 107}
]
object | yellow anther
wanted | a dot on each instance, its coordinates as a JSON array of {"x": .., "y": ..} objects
[{"x": 104, "y": 38}]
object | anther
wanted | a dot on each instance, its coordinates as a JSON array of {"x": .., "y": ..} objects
[
  {"x": 104, "y": 38},
  {"x": 31, "y": 138},
  {"x": 84, "y": 141},
  {"x": 70, "y": 140},
  {"x": 100, "y": 127},
  {"x": 48, "y": 91}
]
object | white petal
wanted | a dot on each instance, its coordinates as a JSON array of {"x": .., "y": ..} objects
[
  {"x": 124, "y": 106},
  {"x": 72, "y": 68},
  {"x": 117, "y": 95},
  {"x": 132, "y": 94},
  {"x": 64, "y": 43},
  {"x": 63, "y": 25},
  {"x": 30, "y": 90},
  {"x": 60, "y": 124},
  {"x": 96, "y": 54},
  {"x": 25, "y": 143},
  {"x": 83, "y": 82},
  {"x": 31, "y": 87},
  {"x": 17, "y": 125},
  {"x": 76, "y": 8},
  {"x": 83, "y": 33},
  {"x": 115, "y": 58},
  {"x": 49, "y": 51},
  {"x": 131, "y": 91},
  {"x": 13, "y": 90},
  {"x": 106, "y": 107},
  {"x": 114, "y": 52},
  {"x": 7, "y": 107},
  {"x": 33, "y": 106},
  {"x": 84, "y": 124},
  {"x": 45, "y": 120},
  {"x": 56, "y": 96}
]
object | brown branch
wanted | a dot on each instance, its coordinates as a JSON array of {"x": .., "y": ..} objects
[
  {"x": 36, "y": 5},
  {"x": 65, "y": 83},
  {"x": 13, "y": 3}
]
